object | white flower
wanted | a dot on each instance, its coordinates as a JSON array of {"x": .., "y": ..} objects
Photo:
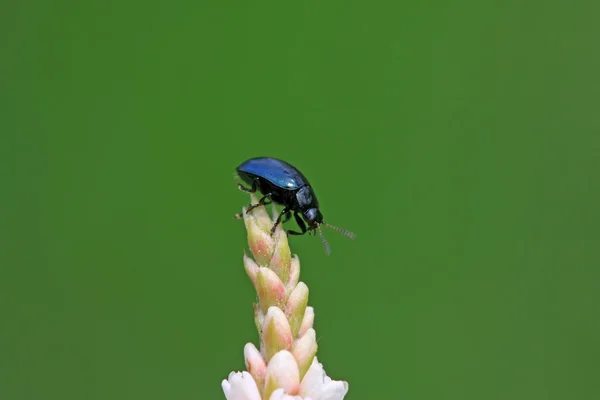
[
  {"x": 280, "y": 394},
  {"x": 316, "y": 385},
  {"x": 240, "y": 386}
]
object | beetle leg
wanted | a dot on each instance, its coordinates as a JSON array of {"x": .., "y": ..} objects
[
  {"x": 245, "y": 189},
  {"x": 278, "y": 220},
  {"x": 300, "y": 223},
  {"x": 261, "y": 202},
  {"x": 286, "y": 217}
]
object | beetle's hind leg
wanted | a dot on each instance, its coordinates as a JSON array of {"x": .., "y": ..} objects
[
  {"x": 286, "y": 217},
  {"x": 261, "y": 202},
  {"x": 300, "y": 223}
]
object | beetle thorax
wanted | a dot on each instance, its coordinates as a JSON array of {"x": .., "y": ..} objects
[{"x": 306, "y": 198}]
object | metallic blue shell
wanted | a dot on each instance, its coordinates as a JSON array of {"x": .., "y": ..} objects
[{"x": 277, "y": 172}]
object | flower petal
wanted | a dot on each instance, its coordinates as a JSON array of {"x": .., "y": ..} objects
[
  {"x": 240, "y": 386},
  {"x": 319, "y": 386},
  {"x": 280, "y": 394}
]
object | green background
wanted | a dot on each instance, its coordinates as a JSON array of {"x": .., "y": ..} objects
[{"x": 459, "y": 140}]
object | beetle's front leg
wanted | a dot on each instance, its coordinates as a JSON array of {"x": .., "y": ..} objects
[
  {"x": 245, "y": 189},
  {"x": 261, "y": 202},
  {"x": 300, "y": 223}
]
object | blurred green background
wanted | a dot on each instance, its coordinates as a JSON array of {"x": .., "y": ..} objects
[{"x": 460, "y": 141}]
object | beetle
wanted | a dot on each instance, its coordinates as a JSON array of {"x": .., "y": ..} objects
[{"x": 282, "y": 183}]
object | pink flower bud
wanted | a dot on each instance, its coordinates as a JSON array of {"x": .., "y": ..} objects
[
  {"x": 259, "y": 318},
  {"x": 282, "y": 373},
  {"x": 282, "y": 257},
  {"x": 294, "y": 274},
  {"x": 296, "y": 304},
  {"x": 304, "y": 350},
  {"x": 258, "y": 224},
  {"x": 277, "y": 335},
  {"x": 251, "y": 269},
  {"x": 307, "y": 321},
  {"x": 271, "y": 291},
  {"x": 255, "y": 364}
]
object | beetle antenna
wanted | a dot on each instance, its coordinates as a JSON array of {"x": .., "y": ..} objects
[
  {"x": 325, "y": 244},
  {"x": 340, "y": 230}
]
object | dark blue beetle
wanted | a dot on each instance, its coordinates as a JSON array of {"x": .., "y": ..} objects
[{"x": 283, "y": 184}]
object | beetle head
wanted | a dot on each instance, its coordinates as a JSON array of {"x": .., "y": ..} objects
[{"x": 313, "y": 217}]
